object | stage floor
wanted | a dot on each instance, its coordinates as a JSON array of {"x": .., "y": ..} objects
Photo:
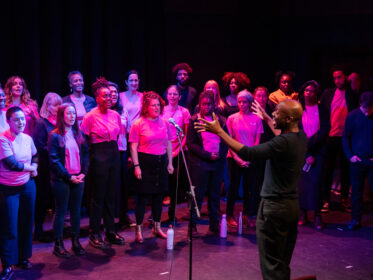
[{"x": 334, "y": 253}]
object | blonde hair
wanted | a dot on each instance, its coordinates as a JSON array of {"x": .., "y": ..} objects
[{"x": 50, "y": 98}]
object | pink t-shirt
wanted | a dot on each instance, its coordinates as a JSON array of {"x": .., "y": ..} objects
[
  {"x": 338, "y": 113},
  {"x": 79, "y": 106},
  {"x": 101, "y": 127},
  {"x": 31, "y": 114},
  {"x": 311, "y": 120},
  {"x": 181, "y": 117},
  {"x": 72, "y": 157},
  {"x": 122, "y": 139},
  {"x": 152, "y": 136},
  {"x": 244, "y": 128},
  {"x": 22, "y": 148},
  {"x": 132, "y": 103},
  {"x": 211, "y": 141}
]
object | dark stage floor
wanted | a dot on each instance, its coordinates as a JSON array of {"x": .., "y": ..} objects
[{"x": 334, "y": 253}]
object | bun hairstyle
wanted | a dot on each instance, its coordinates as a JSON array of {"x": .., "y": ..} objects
[{"x": 101, "y": 82}]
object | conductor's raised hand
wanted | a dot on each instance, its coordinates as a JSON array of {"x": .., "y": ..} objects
[{"x": 205, "y": 125}]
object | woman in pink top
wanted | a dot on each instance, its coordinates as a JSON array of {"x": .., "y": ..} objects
[
  {"x": 151, "y": 151},
  {"x": 181, "y": 116},
  {"x": 207, "y": 155},
  {"x": 123, "y": 186},
  {"x": 68, "y": 157},
  {"x": 18, "y": 163},
  {"x": 102, "y": 126},
  {"x": 247, "y": 128},
  {"x": 17, "y": 94},
  {"x": 131, "y": 99}
]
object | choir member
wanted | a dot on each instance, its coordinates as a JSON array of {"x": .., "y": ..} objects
[
  {"x": 102, "y": 126},
  {"x": 18, "y": 163},
  {"x": 17, "y": 94},
  {"x": 234, "y": 82},
  {"x": 151, "y": 151},
  {"x": 246, "y": 128},
  {"x": 181, "y": 116},
  {"x": 68, "y": 156},
  {"x": 207, "y": 154},
  {"x": 44, "y": 125}
]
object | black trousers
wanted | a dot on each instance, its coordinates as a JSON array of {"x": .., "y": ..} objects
[
  {"x": 250, "y": 188},
  {"x": 276, "y": 234},
  {"x": 359, "y": 171},
  {"x": 142, "y": 200},
  {"x": 208, "y": 180},
  {"x": 104, "y": 169},
  {"x": 333, "y": 152}
]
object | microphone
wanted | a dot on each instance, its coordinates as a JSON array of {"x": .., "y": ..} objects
[{"x": 178, "y": 128}]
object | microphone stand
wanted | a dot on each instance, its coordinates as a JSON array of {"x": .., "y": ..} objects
[{"x": 192, "y": 201}]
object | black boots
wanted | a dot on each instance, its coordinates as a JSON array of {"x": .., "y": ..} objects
[{"x": 59, "y": 249}]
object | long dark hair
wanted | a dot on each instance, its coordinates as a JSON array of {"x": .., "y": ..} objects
[
  {"x": 60, "y": 125},
  {"x": 117, "y": 106}
]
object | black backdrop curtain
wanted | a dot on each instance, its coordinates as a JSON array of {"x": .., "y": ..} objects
[{"x": 43, "y": 40}]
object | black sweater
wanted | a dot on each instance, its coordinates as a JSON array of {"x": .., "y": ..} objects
[{"x": 285, "y": 157}]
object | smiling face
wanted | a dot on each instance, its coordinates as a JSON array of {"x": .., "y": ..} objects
[
  {"x": 69, "y": 116},
  {"x": 133, "y": 82},
  {"x": 173, "y": 96},
  {"x": 17, "y": 87},
  {"x": 114, "y": 95},
  {"x": 154, "y": 108},
  {"x": 77, "y": 83},
  {"x": 103, "y": 98},
  {"x": 17, "y": 122},
  {"x": 2, "y": 99}
]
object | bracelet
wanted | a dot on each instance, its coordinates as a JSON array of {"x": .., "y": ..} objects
[{"x": 135, "y": 165}]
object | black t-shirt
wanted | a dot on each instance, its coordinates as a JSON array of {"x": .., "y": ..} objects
[{"x": 285, "y": 158}]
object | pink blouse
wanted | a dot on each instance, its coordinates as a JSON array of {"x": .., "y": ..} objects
[
  {"x": 211, "y": 142},
  {"x": 79, "y": 106},
  {"x": 181, "y": 117},
  {"x": 22, "y": 148},
  {"x": 122, "y": 139},
  {"x": 132, "y": 103},
  {"x": 72, "y": 157},
  {"x": 244, "y": 128},
  {"x": 311, "y": 120},
  {"x": 152, "y": 136},
  {"x": 101, "y": 127}
]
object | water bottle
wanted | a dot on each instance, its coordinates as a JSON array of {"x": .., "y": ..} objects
[
  {"x": 170, "y": 238},
  {"x": 223, "y": 227},
  {"x": 240, "y": 224}
]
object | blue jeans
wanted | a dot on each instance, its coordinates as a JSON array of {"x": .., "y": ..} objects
[
  {"x": 67, "y": 195},
  {"x": 17, "y": 205}
]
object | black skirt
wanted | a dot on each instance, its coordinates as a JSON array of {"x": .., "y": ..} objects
[{"x": 154, "y": 174}]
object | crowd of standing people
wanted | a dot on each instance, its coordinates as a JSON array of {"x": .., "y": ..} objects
[{"x": 91, "y": 151}]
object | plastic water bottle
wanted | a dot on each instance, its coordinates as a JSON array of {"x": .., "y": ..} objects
[
  {"x": 223, "y": 227},
  {"x": 240, "y": 224},
  {"x": 170, "y": 238}
]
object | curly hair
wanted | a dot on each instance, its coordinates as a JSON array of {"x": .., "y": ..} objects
[
  {"x": 182, "y": 66},
  {"x": 25, "y": 96},
  {"x": 279, "y": 74},
  {"x": 101, "y": 82},
  {"x": 303, "y": 88},
  {"x": 243, "y": 81},
  {"x": 147, "y": 96}
]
